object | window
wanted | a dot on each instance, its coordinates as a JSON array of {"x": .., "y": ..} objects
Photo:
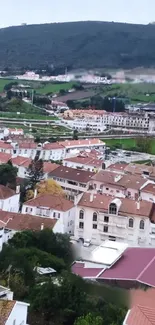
[
  {"x": 81, "y": 214},
  {"x": 25, "y": 151},
  {"x": 26, "y": 210},
  {"x": 113, "y": 208},
  {"x": 94, "y": 216},
  {"x": 101, "y": 187},
  {"x": 107, "y": 188},
  {"x": 141, "y": 225},
  {"x": 105, "y": 229},
  {"x": 106, "y": 219},
  {"x": 58, "y": 215},
  {"x": 94, "y": 226},
  {"x": 54, "y": 215},
  {"x": 130, "y": 223},
  {"x": 81, "y": 225}
]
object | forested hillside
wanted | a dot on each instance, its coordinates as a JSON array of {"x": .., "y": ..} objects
[{"x": 78, "y": 44}]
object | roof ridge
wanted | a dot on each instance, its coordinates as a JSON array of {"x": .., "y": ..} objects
[
  {"x": 142, "y": 311},
  {"x": 145, "y": 268}
]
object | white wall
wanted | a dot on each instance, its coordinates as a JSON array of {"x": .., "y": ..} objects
[
  {"x": 11, "y": 204},
  {"x": 147, "y": 196},
  {"x": 18, "y": 315},
  {"x": 117, "y": 227},
  {"x": 53, "y": 154}
]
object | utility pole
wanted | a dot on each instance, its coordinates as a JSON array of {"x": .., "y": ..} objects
[
  {"x": 114, "y": 106},
  {"x": 32, "y": 96}
]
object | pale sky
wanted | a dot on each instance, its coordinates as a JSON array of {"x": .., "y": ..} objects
[{"x": 16, "y": 12}]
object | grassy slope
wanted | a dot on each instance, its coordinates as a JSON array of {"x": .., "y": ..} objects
[
  {"x": 54, "y": 88},
  {"x": 128, "y": 143}
]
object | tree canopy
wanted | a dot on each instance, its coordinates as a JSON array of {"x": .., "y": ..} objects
[
  {"x": 50, "y": 186},
  {"x": 64, "y": 299},
  {"x": 8, "y": 174},
  {"x": 77, "y": 45}
]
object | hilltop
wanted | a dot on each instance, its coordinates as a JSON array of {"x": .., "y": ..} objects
[{"x": 78, "y": 45}]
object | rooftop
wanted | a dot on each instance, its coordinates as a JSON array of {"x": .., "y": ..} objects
[
  {"x": 5, "y": 192},
  {"x": 4, "y": 157},
  {"x": 51, "y": 201},
  {"x": 149, "y": 188},
  {"x": 101, "y": 202},
  {"x": 80, "y": 143},
  {"x": 49, "y": 167},
  {"x": 21, "y": 161},
  {"x": 72, "y": 174},
  {"x": 6, "y": 307},
  {"x": 19, "y": 221},
  {"x": 132, "y": 181},
  {"x": 85, "y": 161},
  {"x": 123, "y": 270},
  {"x": 118, "y": 167},
  {"x": 53, "y": 145},
  {"x": 28, "y": 145},
  {"x": 5, "y": 145}
]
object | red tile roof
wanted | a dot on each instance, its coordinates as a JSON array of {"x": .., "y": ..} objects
[
  {"x": 21, "y": 161},
  {"x": 149, "y": 188},
  {"x": 118, "y": 166},
  {"x": 85, "y": 161},
  {"x": 51, "y": 201},
  {"x": 101, "y": 202},
  {"x": 53, "y": 146},
  {"x": 6, "y": 192},
  {"x": 28, "y": 145},
  {"x": 143, "y": 309},
  {"x": 79, "y": 269},
  {"x": 5, "y": 145},
  {"x": 4, "y": 157},
  {"x": 81, "y": 143},
  {"x": 132, "y": 181},
  {"x": 141, "y": 315},
  {"x": 49, "y": 167},
  {"x": 19, "y": 221},
  {"x": 72, "y": 174},
  {"x": 6, "y": 307}
]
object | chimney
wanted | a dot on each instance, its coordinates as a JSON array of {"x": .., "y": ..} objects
[
  {"x": 42, "y": 226},
  {"x": 17, "y": 189},
  {"x": 91, "y": 197},
  {"x": 138, "y": 205},
  {"x": 35, "y": 193}
]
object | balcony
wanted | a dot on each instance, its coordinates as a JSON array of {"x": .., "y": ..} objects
[{"x": 72, "y": 187}]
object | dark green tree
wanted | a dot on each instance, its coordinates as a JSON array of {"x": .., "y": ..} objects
[
  {"x": 8, "y": 174},
  {"x": 35, "y": 171},
  {"x": 75, "y": 135},
  {"x": 89, "y": 320}
]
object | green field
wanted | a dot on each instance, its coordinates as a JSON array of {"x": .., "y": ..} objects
[
  {"x": 4, "y": 82},
  {"x": 140, "y": 92},
  {"x": 128, "y": 144},
  {"x": 53, "y": 87}
]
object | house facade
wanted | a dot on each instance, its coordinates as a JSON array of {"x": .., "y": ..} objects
[
  {"x": 100, "y": 217},
  {"x": 9, "y": 199},
  {"x": 54, "y": 207},
  {"x": 13, "y": 312}
]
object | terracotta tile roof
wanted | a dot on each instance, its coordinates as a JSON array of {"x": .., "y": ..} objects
[
  {"x": 127, "y": 207},
  {"x": 49, "y": 167},
  {"x": 6, "y": 192},
  {"x": 5, "y": 145},
  {"x": 85, "y": 161},
  {"x": 19, "y": 221},
  {"x": 53, "y": 146},
  {"x": 132, "y": 181},
  {"x": 143, "y": 309},
  {"x": 21, "y": 161},
  {"x": 106, "y": 177},
  {"x": 149, "y": 188},
  {"x": 51, "y": 201},
  {"x": 80, "y": 143},
  {"x": 28, "y": 145},
  {"x": 141, "y": 315},
  {"x": 139, "y": 169},
  {"x": 72, "y": 174},
  {"x": 6, "y": 307},
  {"x": 4, "y": 157},
  {"x": 118, "y": 166}
]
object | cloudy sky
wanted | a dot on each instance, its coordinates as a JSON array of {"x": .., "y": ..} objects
[{"x": 46, "y": 11}]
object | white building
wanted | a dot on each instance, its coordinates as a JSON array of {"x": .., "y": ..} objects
[
  {"x": 100, "y": 217},
  {"x": 100, "y": 121},
  {"x": 6, "y": 147},
  {"x": 9, "y": 199},
  {"x": 84, "y": 162},
  {"x": 13, "y": 312},
  {"x": 22, "y": 163},
  {"x": 52, "y": 151},
  {"x": 11, "y": 223},
  {"x": 72, "y": 180},
  {"x": 55, "y": 207}
]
